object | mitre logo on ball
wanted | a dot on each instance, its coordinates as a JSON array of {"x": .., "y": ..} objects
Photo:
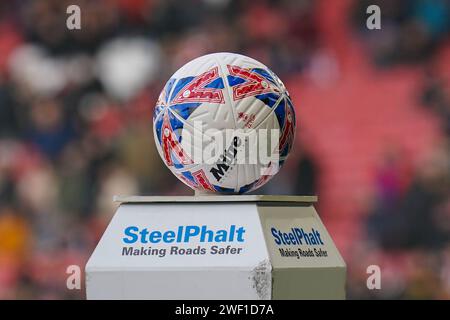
[{"x": 224, "y": 123}]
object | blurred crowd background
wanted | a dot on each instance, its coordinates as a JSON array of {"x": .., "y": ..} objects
[{"x": 373, "y": 110}]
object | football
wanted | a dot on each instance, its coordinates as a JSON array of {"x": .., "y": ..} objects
[{"x": 224, "y": 123}]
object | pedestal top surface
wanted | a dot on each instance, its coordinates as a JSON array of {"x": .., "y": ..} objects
[{"x": 215, "y": 198}]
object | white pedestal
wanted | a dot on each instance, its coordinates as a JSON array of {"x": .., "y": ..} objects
[{"x": 216, "y": 247}]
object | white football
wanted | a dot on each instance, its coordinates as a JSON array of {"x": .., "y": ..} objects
[{"x": 224, "y": 123}]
